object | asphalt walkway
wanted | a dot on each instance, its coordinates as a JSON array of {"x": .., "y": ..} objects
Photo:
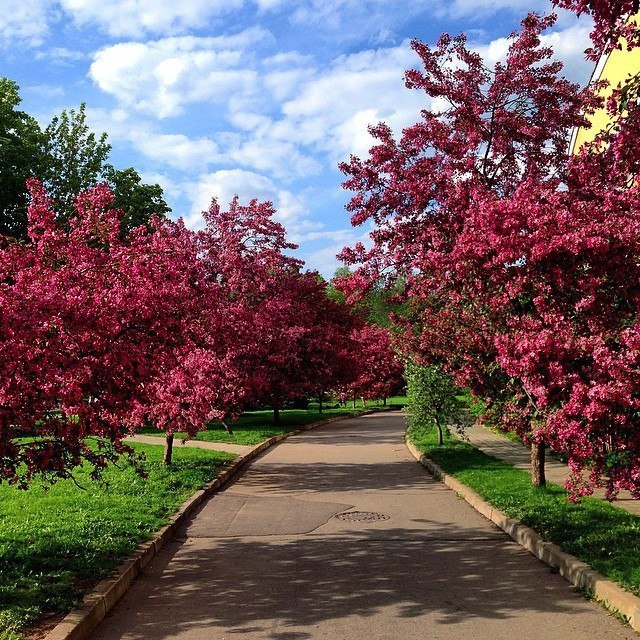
[
  {"x": 519, "y": 456},
  {"x": 339, "y": 534}
]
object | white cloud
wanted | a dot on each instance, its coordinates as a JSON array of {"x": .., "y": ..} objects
[
  {"x": 568, "y": 44},
  {"x": 348, "y": 17},
  {"x": 324, "y": 259},
  {"x": 24, "y": 21},
  {"x": 268, "y": 5},
  {"x": 332, "y": 110},
  {"x": 481, "y": 8},
  {"x": 61, "y": 55},
  {"x": 226, "y": 183},
  {"x": 161, "y": 77},
  {"x": 46, "y": 91},
  {"x": 172, "y": 190},
  {"x": 279, "y": 158},
  {"x": 177, "y": 150},
  {"x": 134, "y": 18}
]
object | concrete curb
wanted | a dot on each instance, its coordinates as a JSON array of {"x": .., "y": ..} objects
[
  {"x": 570, "y": 568},
  {"x": 79, "y": 623}
]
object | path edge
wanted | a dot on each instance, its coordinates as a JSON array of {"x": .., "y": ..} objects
[
  {"x": 79, "y": 623},
  {"x": 575, "y": 571}
]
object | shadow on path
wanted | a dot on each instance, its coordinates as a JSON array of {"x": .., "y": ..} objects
[
  {"x": 322, "y": 477},
  {"x": 243, "y": 585}
]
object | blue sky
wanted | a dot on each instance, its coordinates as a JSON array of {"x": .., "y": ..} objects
[{"x": 257, "y": 97}]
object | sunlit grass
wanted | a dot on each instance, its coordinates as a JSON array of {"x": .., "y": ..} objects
[{"x": 56, "y": 544}]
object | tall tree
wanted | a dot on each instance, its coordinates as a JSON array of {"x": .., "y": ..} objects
[
  {"x": 20, "y": 159},
  {"x": 69, "y": 159},
  {"x": 500, "y": 132},
  {"x": 93, "y": 332},
  {"x": 377, "y": 370},
  {"x": 75, "y": 158}
]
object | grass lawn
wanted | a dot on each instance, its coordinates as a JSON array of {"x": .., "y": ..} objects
[
  {"x": 55, "y": 545},
  {"x": 255, "y": 426},
  {"x": 605, "y": 537}
]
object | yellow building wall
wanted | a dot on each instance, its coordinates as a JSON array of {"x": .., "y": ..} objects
[{"x": 617, "y": 67}]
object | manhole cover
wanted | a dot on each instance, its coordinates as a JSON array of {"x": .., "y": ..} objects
[{"x": 362, "y": 516}]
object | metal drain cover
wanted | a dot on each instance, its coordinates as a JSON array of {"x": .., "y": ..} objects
[{"x": 362, "y": 516}]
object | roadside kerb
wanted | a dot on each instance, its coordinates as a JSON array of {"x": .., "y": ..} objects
[
  {"x": 80, "y": 622},
  {"x": 578, "y": 573}
]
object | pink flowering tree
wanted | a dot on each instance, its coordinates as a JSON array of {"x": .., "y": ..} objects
[
  {"x": 323, "y": 343},
  {"x": 454, "y": 203},
  {"x": 376, "y": 366},
  {"x": 305, "y": 349},
  {"x": 523, "y": 279},
  {"x": 270, "y": 304},
  {"x": 85, "y": 320},
  {"x": 102, "y": 335},
  {"x": 210, "y": 371}
]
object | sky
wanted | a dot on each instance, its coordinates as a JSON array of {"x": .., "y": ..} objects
[{"x": 260, "y": 98}]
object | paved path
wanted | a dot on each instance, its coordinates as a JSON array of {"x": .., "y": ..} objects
[
  {"x": 267, "y": 558},
  {"x": 238, "y": 449},
  {"x": 520, "y": 456}
]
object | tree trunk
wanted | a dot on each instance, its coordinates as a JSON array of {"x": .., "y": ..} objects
[
  {"x": 276, "y": 414},
  {"x": 384, "y": 402},
  {"x": 354, "y": 402},
  {"x": 320, "y": 402},
  {"x": 537, "y": 464},
  {"x": 364, "y": 402},
  {"x": 439, "y": 428},
  {"x": 168, "y": 450},
  {"x": 226, "y": 427}
]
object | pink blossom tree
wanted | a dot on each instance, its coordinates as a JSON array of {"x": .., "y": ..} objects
[
  {"x": 456, "y": 204},
  {"x": 86, "y": 318},
  {"x": 376, "y": 366}
]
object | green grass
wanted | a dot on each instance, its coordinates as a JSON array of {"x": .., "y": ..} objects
[
  {"x": 56, "y": 544},
  {"x": 604, "y": 536},
  {"x": 254, "y": 427}
]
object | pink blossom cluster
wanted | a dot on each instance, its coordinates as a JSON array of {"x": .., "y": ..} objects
[
  {"x": 379, "y": 373},
  {"x": 611, "y": 22}
]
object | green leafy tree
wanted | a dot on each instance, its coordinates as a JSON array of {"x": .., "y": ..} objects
[
  {"x": 75, "y": 158},
  {"x": 138, "y": 201},
  {"x": 431, "y": 397},
  {"x": 68, "y": 158},
  {"x": 20, "y": 159}
]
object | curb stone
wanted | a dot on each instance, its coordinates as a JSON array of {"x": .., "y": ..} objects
[
  {"x": 80, "y": 622},
  {"x": 578, "y": 573}
]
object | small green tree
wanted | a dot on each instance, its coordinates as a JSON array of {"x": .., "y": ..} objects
[{"x": 431, "y": 397}]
